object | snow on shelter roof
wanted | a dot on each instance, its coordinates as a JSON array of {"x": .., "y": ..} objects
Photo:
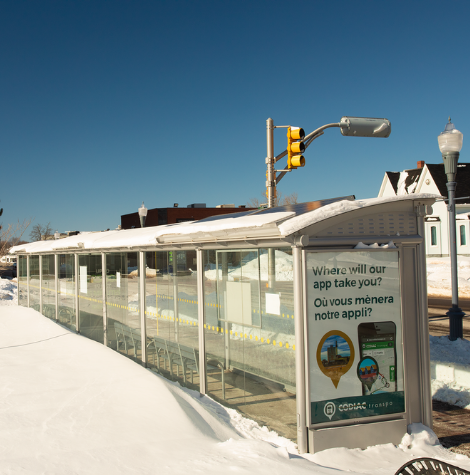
[{"x": 278, "y": 222}]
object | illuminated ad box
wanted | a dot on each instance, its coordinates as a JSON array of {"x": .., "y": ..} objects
[{"x": 355, "y": 335}]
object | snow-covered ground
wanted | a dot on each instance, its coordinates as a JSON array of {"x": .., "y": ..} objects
[
  {"x": 439, "y": 283},
  {"x": 69, "y": 405}
]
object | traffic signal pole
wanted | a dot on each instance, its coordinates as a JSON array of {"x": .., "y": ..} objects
[{"x": 270, "y": 174}]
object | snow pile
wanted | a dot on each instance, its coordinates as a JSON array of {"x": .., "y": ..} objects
[
  {"x": 448, "y": 358},
  {"x": 439, "y": 279},
  {"x": 361, "y": 245},
  {"x": 445, "y": 351},
  {"x": 150, "y": 273},
  {"x": 8, "y": 292},
  {"x": 249, "y": 269},
  {"x": 385, "y": 459}
]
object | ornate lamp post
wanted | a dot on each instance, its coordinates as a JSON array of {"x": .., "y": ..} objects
[
  {"x": 450, "y": 144},
  {"x": 142, "y": 215}
]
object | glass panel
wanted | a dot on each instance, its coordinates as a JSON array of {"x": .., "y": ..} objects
[
  {"x": 463, "y": 237},
  {"x": 433, "y": 236},
  {"x": 23, "y": 281},
  {"x": 172, "y": 315},
  {"x": 122, "y": 303},
  {"x": 249, "y": 331},
  {"x": 48, "y": 287},
  {"x": 67, "y": 314},
  {"x": 34, "y": 287},
  {"x": 91, "y": 297}
]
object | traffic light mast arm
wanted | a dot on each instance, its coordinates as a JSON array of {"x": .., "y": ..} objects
[
  {"x": 309, "y": 138},
  {"x": 320, "y": 129}
]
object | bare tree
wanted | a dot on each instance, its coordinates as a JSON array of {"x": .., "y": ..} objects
[
  {"x": 41, "y": 232},
  {"x": 11, "y": 235},
  {"x": 253, "y": 203},
  {"x": 279, "y": 200},
  {"x": 291, "y": 199}
]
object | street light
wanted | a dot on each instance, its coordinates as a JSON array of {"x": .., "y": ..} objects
[
  {"x": 142, "y": 215},
  {"x": 450, "y": 143}
]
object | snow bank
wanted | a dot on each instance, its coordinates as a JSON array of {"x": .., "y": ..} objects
[
  {"x": 387, "y": 458},
  {"x": 450, "y": 370},
  {"x": 284, "y": 268},
  {"x": 439, "y": 280},
  {"x": 8, "y": 292}
]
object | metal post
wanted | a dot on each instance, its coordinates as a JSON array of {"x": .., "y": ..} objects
[
  {"x": 301, "y": 400},
  {"x": 56, "y": 285},
  {"x": 27, "y": 278},
  {"x": 270, "y": 174},
  {"x": 271, "y": 267},
  {"x": 143, "y": 323},
  {"x": 200, "y": 318},
  {"x": 103, "y": 293},
  {"x": 40, "y": 284},
  {"x": 224, "y": 294},
  {"x": 423, "y": 322},
  {"x": 175, "y": 294},
  {"x": 77, "y": 304},
  {"x": 455, "y": 313}
]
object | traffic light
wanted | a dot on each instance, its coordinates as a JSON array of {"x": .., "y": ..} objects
[{"x": 295, "y": 147}]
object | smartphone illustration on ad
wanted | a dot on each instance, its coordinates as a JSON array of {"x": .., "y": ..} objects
[{"x": 377, "y": 368}]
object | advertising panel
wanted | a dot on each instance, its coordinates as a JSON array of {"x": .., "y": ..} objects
[{"x": 354, "y": 335}]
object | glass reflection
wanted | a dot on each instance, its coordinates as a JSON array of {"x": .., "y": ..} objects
[
  {"x": 91, "y": 297},
  {"x": 34, "y": 287},
  {"x": 249, "y": 329},
  {"x": 172, "y": 315},
  {"x": 23, "y": 281},
  {"x": 122, "y": 303},
  {"x": 67, "y": 313},
  {"x": 48, "y": 287}
]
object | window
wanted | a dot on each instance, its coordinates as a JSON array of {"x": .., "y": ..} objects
[
  {"x": 433, "y": 236},
  {"x": 463, "y": 237}
]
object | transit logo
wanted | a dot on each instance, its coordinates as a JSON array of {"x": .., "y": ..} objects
[{"x": 329, "y": 410}]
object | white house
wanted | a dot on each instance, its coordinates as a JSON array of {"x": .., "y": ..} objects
[{"x": 430, "y": 178}]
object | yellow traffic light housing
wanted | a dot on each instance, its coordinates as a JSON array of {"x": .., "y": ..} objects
[{"x": 295, "y": 147}]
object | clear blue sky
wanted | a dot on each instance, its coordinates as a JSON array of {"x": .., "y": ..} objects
[{"x": 104, "y": 104}]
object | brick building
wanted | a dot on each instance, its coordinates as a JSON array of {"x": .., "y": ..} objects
[{"x": 193, "y": 212}]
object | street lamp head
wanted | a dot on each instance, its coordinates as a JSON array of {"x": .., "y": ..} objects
[
  {"x": 451, "y": 139},
  {"x": 365, "y": 127},
  {"x": 450, "y": 144}
]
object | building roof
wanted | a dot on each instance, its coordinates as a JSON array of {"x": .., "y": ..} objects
[
  {"x": 463, "y": 180},
  {"x": 405, "y": 182}
]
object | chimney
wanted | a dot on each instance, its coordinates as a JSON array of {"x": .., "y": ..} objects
[{"x": 421, "y": 164}]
